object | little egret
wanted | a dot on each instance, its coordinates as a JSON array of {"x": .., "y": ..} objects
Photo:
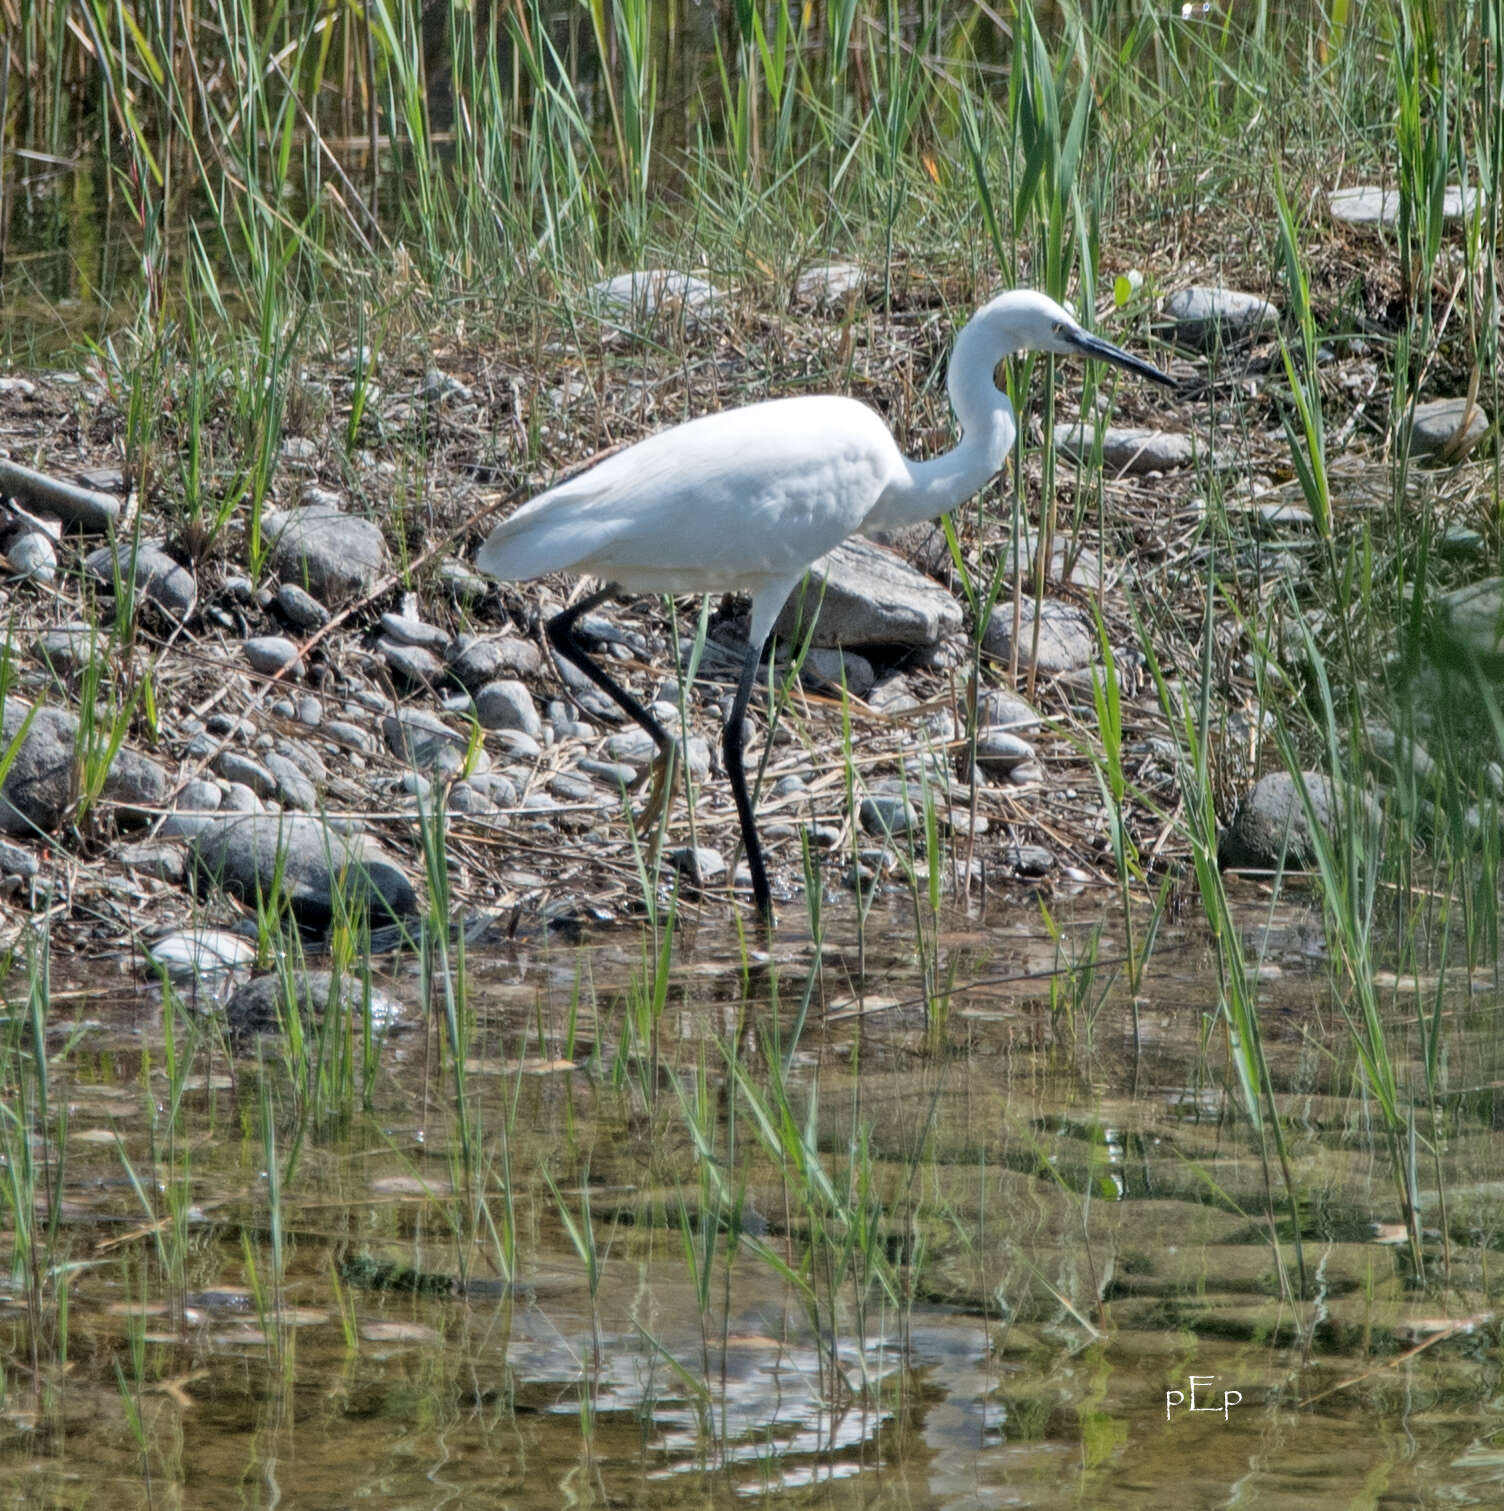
[{"x": 745, "y": 500}]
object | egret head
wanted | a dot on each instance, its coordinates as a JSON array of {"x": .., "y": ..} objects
[{"x": 1025, "y": 320}]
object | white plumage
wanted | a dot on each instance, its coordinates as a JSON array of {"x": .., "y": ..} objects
[
  {"x": 746, "y": 499},
  {"x": 741, "y": 500}
]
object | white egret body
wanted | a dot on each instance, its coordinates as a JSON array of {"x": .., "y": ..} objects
[{"x": 746, "y": 499}]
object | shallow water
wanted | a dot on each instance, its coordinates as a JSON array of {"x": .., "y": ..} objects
[{"x": 959, "y": 1262}]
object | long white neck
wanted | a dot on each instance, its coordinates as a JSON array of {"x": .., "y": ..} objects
[{"x": 936, "y": 486}]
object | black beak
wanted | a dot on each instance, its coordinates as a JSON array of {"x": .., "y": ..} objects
[{"x": 1104, "y": 351}]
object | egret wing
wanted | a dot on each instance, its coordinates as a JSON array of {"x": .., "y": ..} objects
[{"x": 720, "y": 502}]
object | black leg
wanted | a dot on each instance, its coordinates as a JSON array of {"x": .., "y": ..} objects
[
  {"x": 732, "y": 751},
  {"x": 561, "y": 636}
]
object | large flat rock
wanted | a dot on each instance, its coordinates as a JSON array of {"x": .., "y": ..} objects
[
  {"x": 870, "y": 597},
  {"x": 336, "y": 556},
  {"x": 253, "y": 854},
  {"x": 1371, "y": 205}
]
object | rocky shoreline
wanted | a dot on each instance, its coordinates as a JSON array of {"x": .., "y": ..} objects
[{"x": 190, "y": 736}]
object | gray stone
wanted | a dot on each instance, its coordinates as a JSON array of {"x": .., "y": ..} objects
[
  {"x": 496, "y": 787},
  {"x": 1283, "y": 516},
  {"x": 476, "y": 660},
  {"x": 999, "y": 751},
  {"x": 150, "y": 570},
  {"x": 518, "y": 742},
  {"x": 438, "y": 386},
  {"x": 572, "y": 789},
  {"x": 1470, "y": 626},
  {"x": 270, "y": 654},
  {"x": 342, "y": 732},
  {"x": 307, "y": 860},
  {"x": 425, "y": 743},
  {"x": 923, "y": 546},
  {"x": 565, "y": 725},
  {"x": 305, "y": 758},
  {"x": 613, "y": 773},
  {"x": 261, "y": 1006},
  {"x": 308, "y": 712},
  {"x": 1067, "y": 637},
  {"x": 1370, "y": 205},
  {"x": 940, "y": 726},
  {"x": 1271, "y": 826},
  {"x": 301, "y": 608},
  {"x": 827, "y": 667},
  {"x": 135, "y": 782},
  {"x": 871, "y": 597},
  {"x": 1208, "y": 317},
  {"x": 702, "y": 865},
  {"x": 1447, "y": 429},
  {"x": 411, "y": 664},
  {"x": 67, "y": 649},
  {"x": 407, "y": 631},
  {"x": 236, "y": 766},
  {"x": 200, "y": 796},
  {"x": 1026, "y": 774},
  {"x": 240, "y": 798},
  {"x": 484, "y": 797},
  {"x": 461, "y": 583},
  {"x": 40, "y": 784},
  {"x": 162, "y": 862},
  {"x": 633, "y": 747},
  {"x": 1461, "y": 543},
  {"x": 17, "y": 860},
  {"x": 507, "y": 704},
  {"x": 294, "y": 788},
  {"x": 652, "y": 292},
  {"x": 184, "y": 825},
  {"x": 892, "y": 695},
  {"x": 463, "y": 798},
  {"x": 1029, "y": 860},
  {"x": 32, "y": 555},
  {"x": 83, "y": 507},
  {"x": 830, "y": 285},
  {"x": 1000, "y": 709},
  {"x": 1131, "y": 450},
  {"x": 882, "y": 817},
  {"x": 188, "y": 955},
  {"x": 337, "y": 556}
]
